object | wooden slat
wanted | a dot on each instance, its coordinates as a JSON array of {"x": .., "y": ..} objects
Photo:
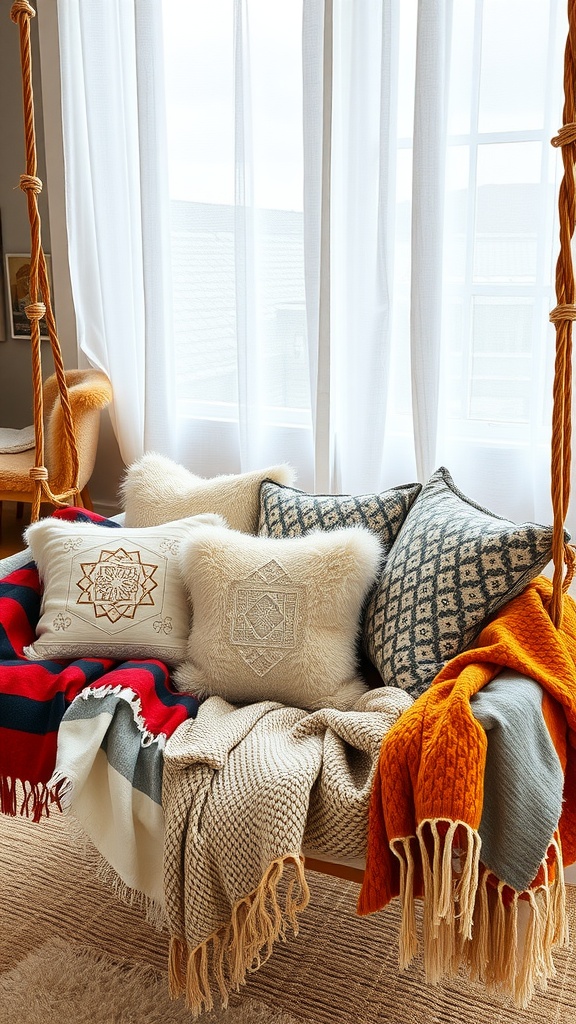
[{"x": 325, "y": 867}]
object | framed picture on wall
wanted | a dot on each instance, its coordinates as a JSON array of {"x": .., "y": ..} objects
[
  {"x": 3, "y": 329},
  {"x": 18, "y": 292}
]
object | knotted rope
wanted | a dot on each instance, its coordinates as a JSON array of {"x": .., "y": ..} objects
[
  {"x": 562, "y": 316},
  {"x": 21, "y": 13}
]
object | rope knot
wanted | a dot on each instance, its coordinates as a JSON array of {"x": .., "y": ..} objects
[
  {"x": 21, "y": 7},
  {"x": 35, "y": 311},
  {"x": 38, "y": 473},
  {"x": 30, "y": 183},
  {"x": 566, "y": 135},
  {"x": 564, "y": 311}
]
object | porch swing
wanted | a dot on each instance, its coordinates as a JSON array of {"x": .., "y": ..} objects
[
  {"x": 425, "y": 785},
  {"x": 67, "y": 406}
]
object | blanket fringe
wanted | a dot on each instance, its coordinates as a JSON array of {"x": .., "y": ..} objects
[
  {"x": 61, "y": 786},
  {"x": 504, "y": 938},
  {"x": 154, "y": 911},
  {"x": 242, "y": 946},
  {"x": 147, "y": 738},
  {"x": 95, "y": 863},
  {"x": 32, "y": 800}
]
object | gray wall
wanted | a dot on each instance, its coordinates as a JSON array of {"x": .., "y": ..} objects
[{"x": 15, "y": 365}]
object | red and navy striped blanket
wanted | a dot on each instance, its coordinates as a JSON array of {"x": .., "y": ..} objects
[{"x": 36, "y": 695}]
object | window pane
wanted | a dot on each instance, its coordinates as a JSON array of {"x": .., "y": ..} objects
[
  {"x": 462, "y": 68},
  {"x": 456, "y": 215},
  {"x": 513, "y": 69},
  {"x": 200, "y": 100},
  {"x": 507, "y": 212},
  {"x": 234, "y": 103},
  {"x": 500, "y": 380}
]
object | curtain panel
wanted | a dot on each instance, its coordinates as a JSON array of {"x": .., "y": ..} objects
[{"x": 321, "y": 232}]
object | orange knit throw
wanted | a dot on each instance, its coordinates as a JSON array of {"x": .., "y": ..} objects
[{"x": 427, "y": 804}]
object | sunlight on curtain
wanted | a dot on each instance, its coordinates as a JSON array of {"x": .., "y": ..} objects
[
  {"x": 442, "y": 234},
  {"x": 234, "y": 102},
  {"x": 492, "y": 256},
  {"x": 501, "y": 244},
  {"x": 356, "y": 234},
  {"x": 113, "y": 111}
]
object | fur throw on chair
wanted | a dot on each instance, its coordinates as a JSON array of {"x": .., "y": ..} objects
[{"x": 89, "y": 391}]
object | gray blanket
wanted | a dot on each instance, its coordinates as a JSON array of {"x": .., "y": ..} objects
[{"x": 523, "y": 781}]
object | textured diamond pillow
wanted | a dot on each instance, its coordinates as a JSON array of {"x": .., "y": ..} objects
[
  {"x": 288, "y": 512},
  {"x": 277, "y": 619},
  {"x": 111, "y": 593},
  {"x": 452, "y": 566},
  {"x": 156, "y": 490}
]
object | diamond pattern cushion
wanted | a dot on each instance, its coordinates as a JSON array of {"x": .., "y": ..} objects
[
  {"x": 452, "y": 566},
  {"x": 288, "y": 512}
]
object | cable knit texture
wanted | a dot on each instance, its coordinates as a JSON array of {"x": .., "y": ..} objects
[{"x": 427, "y": 803}]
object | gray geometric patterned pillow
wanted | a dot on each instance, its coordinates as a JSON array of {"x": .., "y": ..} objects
[
  {"x": 288, "y": 512},
  {"x": 452, "y": 565}
]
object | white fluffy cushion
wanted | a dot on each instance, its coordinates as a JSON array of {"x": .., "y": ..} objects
[
  {"x": 277, "y": 619},
  {"x": 111, "y": 593},
  {"x": 157, "y": 490}
]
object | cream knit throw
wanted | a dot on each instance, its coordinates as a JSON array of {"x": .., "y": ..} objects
[{"x": 244, "y": 790}]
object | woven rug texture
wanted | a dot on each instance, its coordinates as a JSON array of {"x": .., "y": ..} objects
[
  {"x": 58, "y": 985},
  {"x": 341, "y": 969}
]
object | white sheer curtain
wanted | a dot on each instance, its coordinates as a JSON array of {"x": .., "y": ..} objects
[
  {"x": 321, "y": 232},
  {"x": 117, "y": 204}
]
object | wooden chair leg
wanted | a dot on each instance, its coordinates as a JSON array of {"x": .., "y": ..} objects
[{"x": 86, "y": 499}]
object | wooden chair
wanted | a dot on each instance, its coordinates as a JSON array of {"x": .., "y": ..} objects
[{"x": 89, "y": 391}]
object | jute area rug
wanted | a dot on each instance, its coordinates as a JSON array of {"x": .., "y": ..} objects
[{"x": 71, "y": 953}]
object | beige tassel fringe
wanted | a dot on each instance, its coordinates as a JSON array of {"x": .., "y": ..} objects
[
  {"x": 408, "y": 944},
  {"x": 243, "y": 945},
  {"x": 471, "y": 919}
]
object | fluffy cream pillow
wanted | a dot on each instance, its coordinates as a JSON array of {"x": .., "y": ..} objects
[
  {"x": 156, "y": 490},
  {"x": 111, "y": 593},
  {"x": 277, "y": 619}
]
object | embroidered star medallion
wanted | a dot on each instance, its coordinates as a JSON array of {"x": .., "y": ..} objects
[{"x": 118, "y": 584}]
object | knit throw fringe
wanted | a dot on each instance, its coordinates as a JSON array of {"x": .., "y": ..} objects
[
  {"x": 244, "y": 944},
  {"x": 472, "y": 919},
  {"x": 30, "y": 799}
]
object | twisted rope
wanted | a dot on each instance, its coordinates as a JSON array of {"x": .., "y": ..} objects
[
  {"x": 21, "y": 13},
  {"x": 562, "y": 316}
]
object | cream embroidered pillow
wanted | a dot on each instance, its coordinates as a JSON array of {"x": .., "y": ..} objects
[
  {"x": 111, "y": 593},
  {"x": 156, "y": 490},
  {"x": 277, "y": 619}
]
